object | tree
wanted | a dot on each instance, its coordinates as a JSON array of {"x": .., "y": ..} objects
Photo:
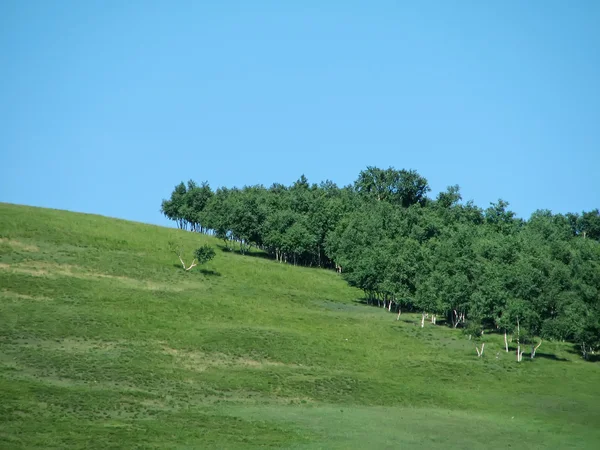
[
  {"x": 196, "y": 199},
  {"x": 450, "y": 197},
  {"x": 588, "y": 334},
  {"x": 590, "y": 224},
  {"x": 403, "y": 187},
  {"x": 500, "y": 217},
  {"x": 173, "y": 208},
  {"x": 217, "y": 215},
  {"x": 247, "y": 216},
  {"x": 202, "y": 255}
]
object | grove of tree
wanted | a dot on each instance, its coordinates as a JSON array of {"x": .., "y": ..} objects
[{"x": 478, "y": 269}]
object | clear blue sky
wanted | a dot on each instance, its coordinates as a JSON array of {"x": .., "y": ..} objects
[{"x": 105, "y": 106}]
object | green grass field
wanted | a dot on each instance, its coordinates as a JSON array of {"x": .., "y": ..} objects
[{"x": 106, "y": 343}]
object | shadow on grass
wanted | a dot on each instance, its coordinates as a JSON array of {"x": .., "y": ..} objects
[
  {"x": 365, "y": 301},
  {"x": 252, "y": 253},
  {"x": 549, "y": 356},
  {"x": 412, "y": 322},
  {"x": 576, "y": 350},
  {"x": 211, "y": 273},
  {"x": 440, "y": 321},
  {"x": 208, "y": 272}
]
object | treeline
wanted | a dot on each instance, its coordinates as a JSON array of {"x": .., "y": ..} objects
[{"x": 474, "y": 268}]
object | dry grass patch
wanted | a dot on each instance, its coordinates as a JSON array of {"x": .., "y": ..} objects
[
  {"x": 18, "y": 245},
  {"x": 200, "y": 361},
  {"x": 16, "y": 295},
  {"x": 45, "y": 269},
  {"x": 68, "y": 345},
  {"x": 35, "y": 376}
]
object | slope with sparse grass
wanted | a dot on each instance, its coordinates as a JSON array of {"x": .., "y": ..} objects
[{"x": 105, "y": 342}]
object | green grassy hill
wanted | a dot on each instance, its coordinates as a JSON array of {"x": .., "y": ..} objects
[{"x": 106, "y": 343}]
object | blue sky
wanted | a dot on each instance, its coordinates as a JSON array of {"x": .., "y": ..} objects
[{"x": 105, "y": 106}]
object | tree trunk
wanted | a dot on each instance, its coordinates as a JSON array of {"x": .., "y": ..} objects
[
  {"x": 519, "y": 352},
  {"x": 479, "y": 352},
  {"x": 518, "y": 341},
  {"x": 422, "y": 320},
  {"x": 534, "y": 349},
  {"x": 505, "y": 342}
]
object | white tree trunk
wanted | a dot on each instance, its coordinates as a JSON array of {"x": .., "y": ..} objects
[
  {"x": 519, "y": 352},
  {"x": 192, "y": 265},
  {"x": 457, "y": 318},
  {"x": 422, "y": 320},
  {"x": 480, "y": 352},
  {"x": 505, "y": 342}
]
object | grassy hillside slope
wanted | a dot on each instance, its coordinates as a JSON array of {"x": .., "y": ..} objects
[{"x": 106, "y": 343}]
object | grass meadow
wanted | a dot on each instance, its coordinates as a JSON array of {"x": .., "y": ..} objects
[{"x": 105, "y": 342}]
